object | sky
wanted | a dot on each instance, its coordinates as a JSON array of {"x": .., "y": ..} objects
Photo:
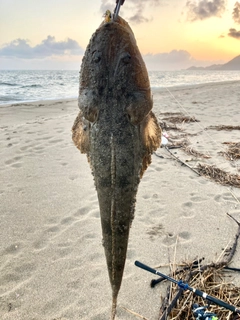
[{"x": 171, "y": 34}]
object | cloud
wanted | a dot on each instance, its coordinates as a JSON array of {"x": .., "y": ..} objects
[
  {"x": 234, "y": 33},
  {"x": 20, "y": 48},
  {"x": 205, "y": 9},
  {"x": 136, "y": 7},
  {"x": 236, "y": 13},
  {"x": 139, "y": 17},
  {"x": 174, "y": 60}
]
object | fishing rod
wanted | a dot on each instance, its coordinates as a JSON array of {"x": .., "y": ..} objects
[
  {"x": 185, "y": 286},
  {"x": 117, "y": 8}
]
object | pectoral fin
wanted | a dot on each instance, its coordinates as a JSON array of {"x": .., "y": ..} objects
[
  {"x": 80, "y": 133},
  {"x": 151, "y": 137}
]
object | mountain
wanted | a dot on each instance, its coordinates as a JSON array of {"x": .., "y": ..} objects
[{"x": 233, "y": 64}]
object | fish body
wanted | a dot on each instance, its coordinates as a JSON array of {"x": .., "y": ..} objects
[{"x": 118, "y": 131}]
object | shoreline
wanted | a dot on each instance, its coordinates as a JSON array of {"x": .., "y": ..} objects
[
  {"x": 52, "y": 259},
  {"x": 154, "y": 90}
]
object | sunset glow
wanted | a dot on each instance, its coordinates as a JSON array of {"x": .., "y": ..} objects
[{"x": 36, "y": 34}]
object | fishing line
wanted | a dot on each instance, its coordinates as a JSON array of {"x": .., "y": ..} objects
[
  {"x": 202, "y": 128},
  {"x": 204, "y": 131}
]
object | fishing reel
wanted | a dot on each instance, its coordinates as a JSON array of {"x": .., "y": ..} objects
[{"x": 200, "y": 313}]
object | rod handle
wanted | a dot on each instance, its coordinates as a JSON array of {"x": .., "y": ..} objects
[
  {"x": 216, "y": 301},
  {"x": 145, "y": 267}
]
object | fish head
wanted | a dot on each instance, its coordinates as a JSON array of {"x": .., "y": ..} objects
[{"x": 113, "y": 69}]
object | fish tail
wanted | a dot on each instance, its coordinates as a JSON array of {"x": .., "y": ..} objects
[
  {"x": 113, "y": 222},
  {"x": 114, "y": 306}
]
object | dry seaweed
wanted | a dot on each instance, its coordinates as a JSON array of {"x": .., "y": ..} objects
[
  {"x": 197, "y": 154},
  {"x": 207, "y": 278},
  {"x": 178, "y": 144},
  {"x": 168, "y": 114},
  {"x": 184, "y": 145},
  {"x": 233, "y": 152},
  {"x": 210, "y": 281},
  {"x": 224, "y": 127},
  {"x": 183, "y": 135},
  {"x": 167, "y": 127},
  {"x": 181, "y": 119},
  {"x": 220, "y": 176}
]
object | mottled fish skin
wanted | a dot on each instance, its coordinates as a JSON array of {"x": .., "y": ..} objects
[{"x": 118, "y": 131}]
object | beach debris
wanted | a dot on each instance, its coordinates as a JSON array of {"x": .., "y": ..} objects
[
  {"x": 168, "y": 126},
  {"x": 233, "y": 152},
  {"x": 211, "y": 281},
  {"x": 185, "y": 286},
  {"x": 165, "y": 137},
  {"x": 195, "y": 153},
  {"x": 181, "y": 118},
  {"x": 220, "y": 176},
  {"x": 181, "y": 300},
  {"x": 118, "y": 131},
  {"x": 182, "y": 162},
  {"x": 224, "y": 127},
  {"x": 179, "y": 140}
]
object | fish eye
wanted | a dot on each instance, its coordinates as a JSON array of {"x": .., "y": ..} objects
[
  {"x": 96, "y": 56},
  {"x": 126, "y": 58}
]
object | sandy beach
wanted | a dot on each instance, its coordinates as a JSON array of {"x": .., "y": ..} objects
[{"x": 52, "y": 261}]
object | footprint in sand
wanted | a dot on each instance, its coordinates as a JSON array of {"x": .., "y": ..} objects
[
  {"x": 94, "y": 213},
  {"x": 40, "y": 244},
  {"x": 64, "y": 164},
  {"x": 5, "y": 305},
  {"x": 24, "y": 148},
  {"x": 13, "y": 160},
  {"x": 81, "y": 212},
  {"x": 67, "y": 220},
  {"x": 185, "y": 235},
  {"x": 187, "y": 210},
  {"x": 73, "y": 177},
  {"x": 13, "y": 248},
  {"x": 146, "y": 196},
  {"x": 55, "y": 141},
  {"x": 156, "y": 231},
  {"x": 45, "y": 238},
  {"x": 171, "y": 238},
  {"x": 52, "y": 229},
  {"x": 198, "y": 199}
]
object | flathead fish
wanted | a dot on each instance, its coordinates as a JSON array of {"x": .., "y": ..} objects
[{"x": 118, "y": 131}]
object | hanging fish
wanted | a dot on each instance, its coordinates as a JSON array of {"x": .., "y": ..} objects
[{"x": 118, "y": 131}]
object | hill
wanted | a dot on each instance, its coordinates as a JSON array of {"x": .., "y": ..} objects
[{"x": 233, "y": 64}]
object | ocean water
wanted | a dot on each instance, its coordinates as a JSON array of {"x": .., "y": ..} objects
[{"x": 30, "y": 85}]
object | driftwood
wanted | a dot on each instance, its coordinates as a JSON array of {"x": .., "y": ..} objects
[{"x": 207, "y": 278}]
